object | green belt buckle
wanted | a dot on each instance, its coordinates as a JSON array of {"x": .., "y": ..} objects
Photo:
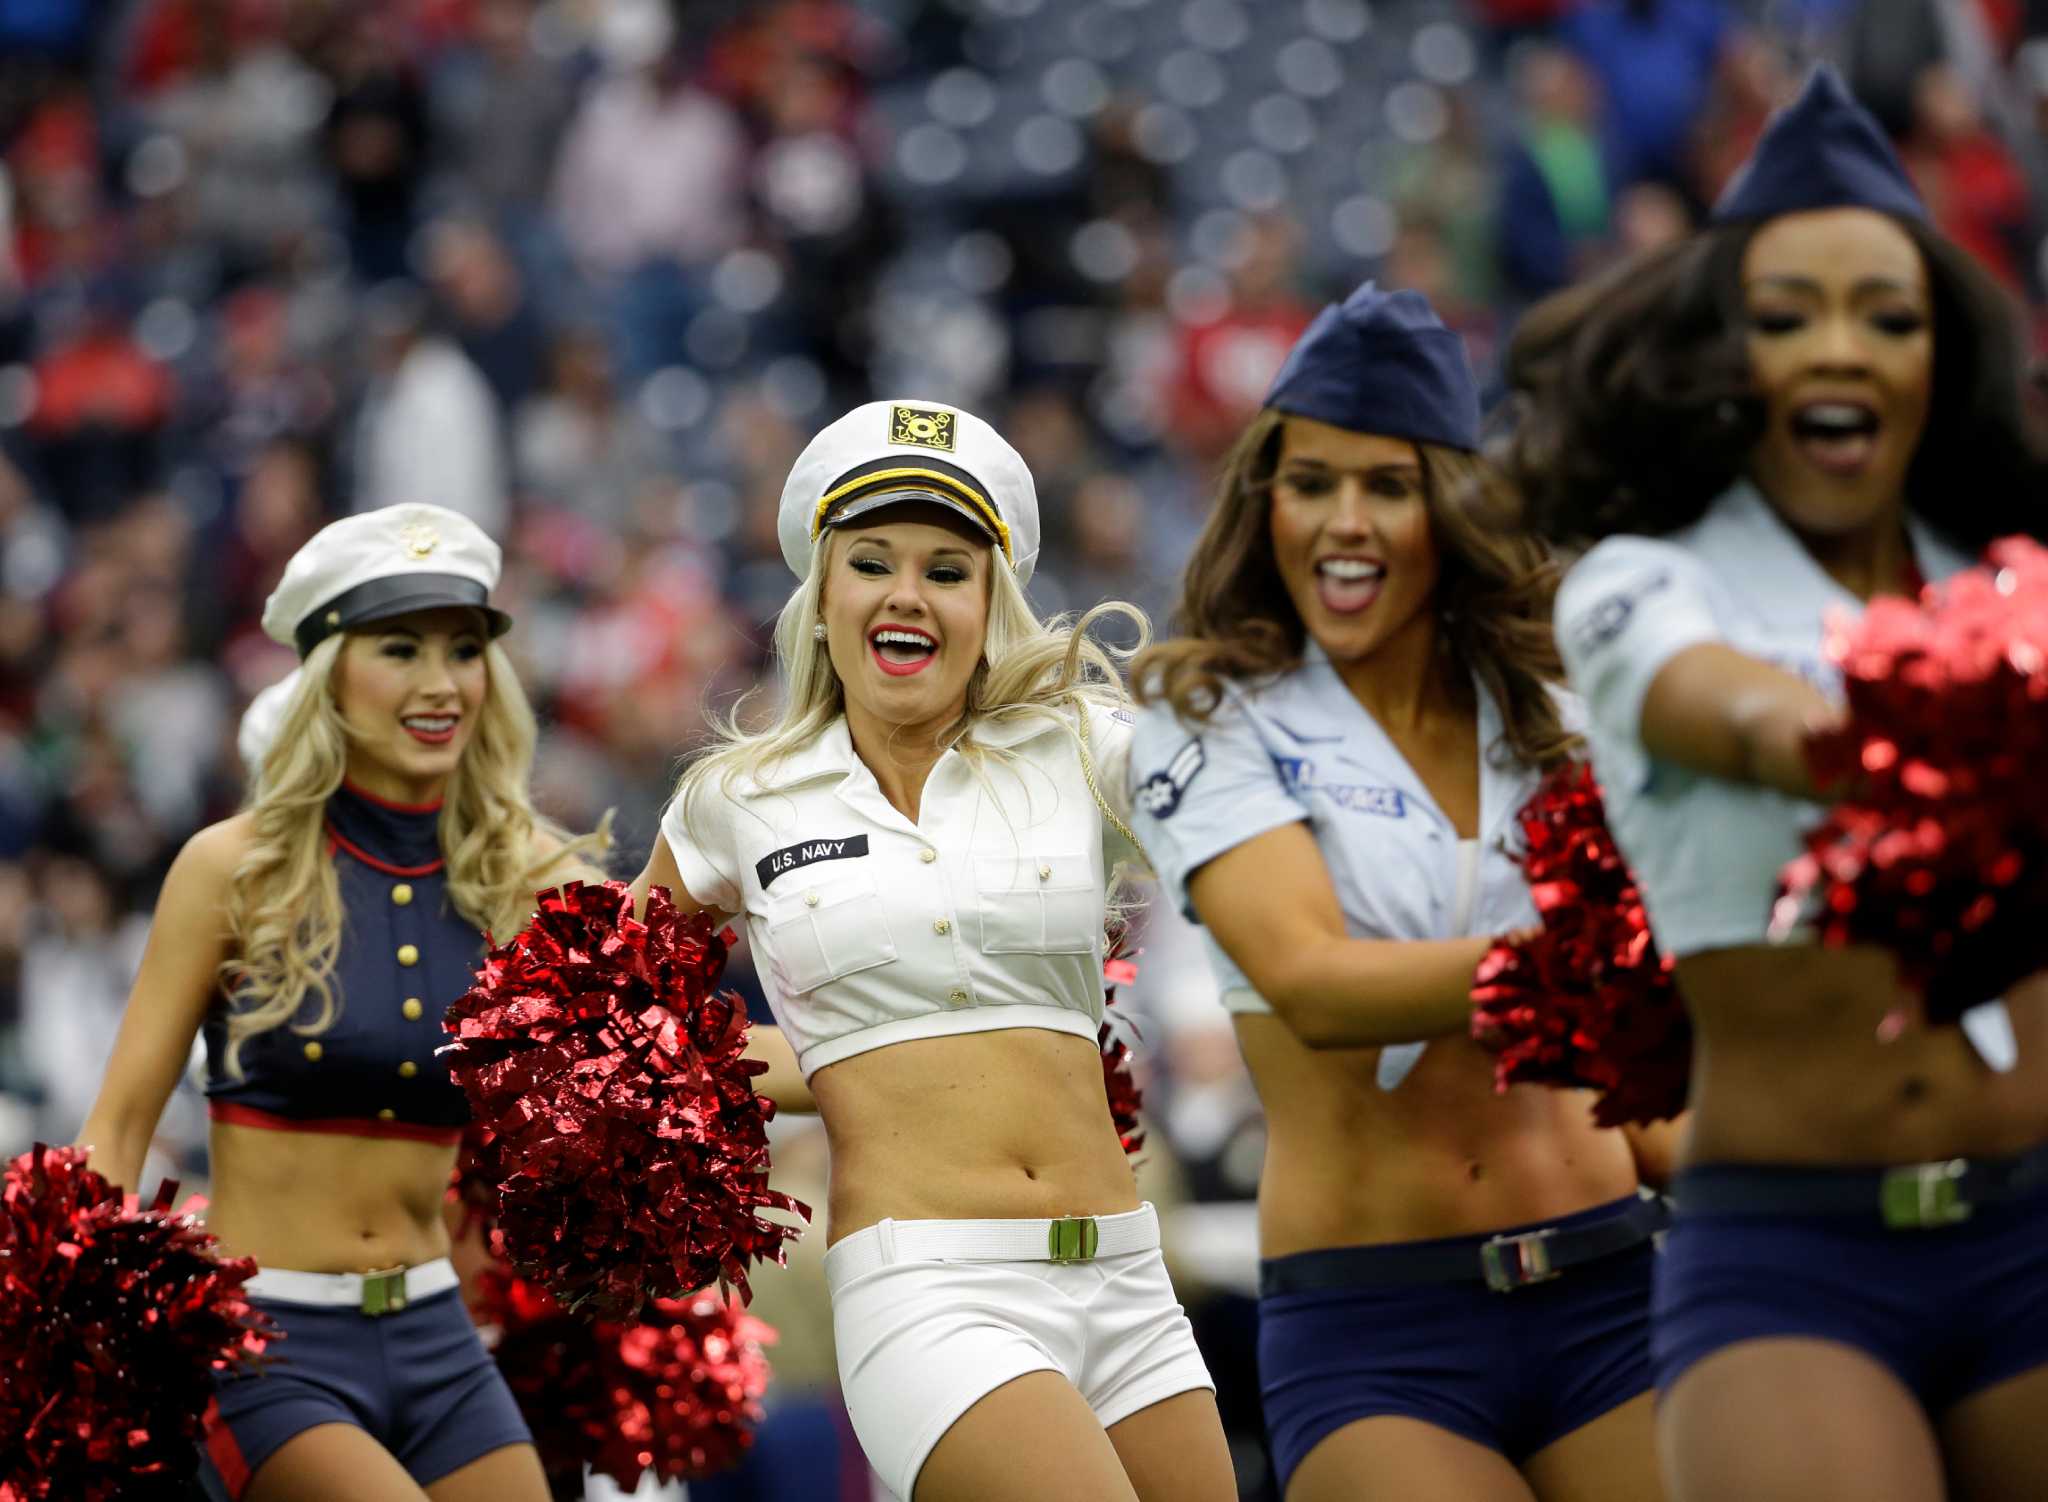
[
  {"x": 1921, "y": 1196},
  {"x": 384, "y": 1292},
  {"x": 1072, "y": 1238}
]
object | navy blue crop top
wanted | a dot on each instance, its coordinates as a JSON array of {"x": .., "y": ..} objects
[{"x": 405, "y": 955}]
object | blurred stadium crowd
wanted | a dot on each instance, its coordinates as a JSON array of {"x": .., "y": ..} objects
[{"x": 592, "y": 270}]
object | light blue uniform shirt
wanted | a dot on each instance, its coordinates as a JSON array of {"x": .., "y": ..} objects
[
  {"x": 1707, "y": 852},
  {"x": 1300, "y": 748}
]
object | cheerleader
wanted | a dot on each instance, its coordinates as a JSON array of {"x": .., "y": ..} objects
[
  {"x": 923, "y": 854},
  {"x": 315, "y": 939},
  {"x": 1813, "y": 401},
  {"x": 1455, "y": 1287}
]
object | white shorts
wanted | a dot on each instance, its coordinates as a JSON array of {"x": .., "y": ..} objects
[{"x": 929, "y": 1321}]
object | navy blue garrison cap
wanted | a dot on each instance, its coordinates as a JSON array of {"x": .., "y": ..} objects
[
  {"x": 1382, "y": 362},
  {"x": 1822, "y": 151}
]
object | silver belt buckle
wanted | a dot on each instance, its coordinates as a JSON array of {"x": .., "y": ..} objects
[
  {"x": 1513, "y": 1262},
  {"x": 1923, "y": 1196},
  {"x": 384, "y": 1292},
  {"x": 1072, "y": 1238}
]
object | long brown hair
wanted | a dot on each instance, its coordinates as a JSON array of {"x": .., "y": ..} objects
[{"x": 1237, "y": 622}]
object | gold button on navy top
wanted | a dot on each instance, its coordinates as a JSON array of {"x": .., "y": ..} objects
[
  {"x": 408, "y": 1069},
  {"x": 408, "y": 954},
  {"x": 402, "y": 893},
  {"x": 942, "y": 927},
  {"x": 412, "y": 1009},
  {"x": 958, "y": 998},
  {"x": 927, "y": 856},
  {"x": 313, "y": 1052},
  {"x": 387, "y": 1114}
]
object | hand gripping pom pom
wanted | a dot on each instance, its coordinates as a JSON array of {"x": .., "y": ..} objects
[
  {"x": 1119, "y": 1078},
  {"x": 1939, "y": 851},
  {"x": 113, "y": 1317},
  {"x": 675, "y": 1391},
  {"x": 1586, "y": 1002},
  {"x": 615, "y": 1111}
]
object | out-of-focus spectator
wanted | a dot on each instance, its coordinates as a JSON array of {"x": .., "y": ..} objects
[
  {"x": 1648, "y": 217},
  {"x": 484, "y": 299},
  {"x": 428, "y": 430},
  {"x": 280, "y": 507},
  {"x": 101, "y": 404},
  {"x": 577, "y": 445},
  {"x": 1555, "y": 192},
  {"x": 377, "y": 139},
  {"x": 1752, "y": 81},
  {"x": 649, "y": 184},
  {"x": 1655, "y": 61},
  {"x": 1227, "y": 362},
  {"x": 1972, "y": 184},
  {"x": 499, "y": 108},
  {"x": 262, "y": 388},
  {"x": 242, "y": 118},
  {"x": 1885, "y": 44}
]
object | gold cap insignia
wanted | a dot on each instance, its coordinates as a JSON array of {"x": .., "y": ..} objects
[
  {"x": 418, "y": 539},
  {"x": 921, "y": 427}
]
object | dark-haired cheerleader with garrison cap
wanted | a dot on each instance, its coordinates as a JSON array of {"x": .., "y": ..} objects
[
  {"x": 1812, "y": 402},
  {"x": 316, "y": 938},
  {"x": 1454, "y": 1299}
]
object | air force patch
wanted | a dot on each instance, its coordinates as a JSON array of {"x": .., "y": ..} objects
[
  {"x": 1160, "y": 794},
  {"x": 921, "y": 427}
]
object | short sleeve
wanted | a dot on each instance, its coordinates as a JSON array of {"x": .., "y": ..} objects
[
  {"x": 1109, "y": 751},
  {"x": 1199, "y": 790},
  {"x": 704, "y": 854},
  {"x": 1625, "y": 610}
]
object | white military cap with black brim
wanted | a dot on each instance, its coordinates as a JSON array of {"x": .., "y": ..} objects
[
  {"x": 384, "y": 563},
  {"x": 891, "y": 452}
]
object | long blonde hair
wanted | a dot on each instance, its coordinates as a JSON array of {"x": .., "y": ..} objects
[
  {"x": 284, "y": 911},
  {"x": 1028, "y": 668}
]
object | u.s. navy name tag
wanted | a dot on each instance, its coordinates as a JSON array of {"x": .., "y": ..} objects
[{"x": 809, "y": 853}]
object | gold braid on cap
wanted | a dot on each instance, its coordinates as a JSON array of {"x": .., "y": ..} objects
[{"x": 875, "y": 480}]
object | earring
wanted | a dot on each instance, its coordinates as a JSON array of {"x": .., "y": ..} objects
[{"x": 818, "y": 631}]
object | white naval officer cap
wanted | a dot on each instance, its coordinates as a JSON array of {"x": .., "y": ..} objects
[
  {"x": 893, "y": 451},
  {"x": 377, "y": 564},
  {"x": 262, "y": 720}
]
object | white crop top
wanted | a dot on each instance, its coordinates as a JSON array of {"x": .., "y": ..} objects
[
  {"x": 1301, "y": 748},
  {"x": 869, "y": 929},
  {"x": 1707, "y": 852}
]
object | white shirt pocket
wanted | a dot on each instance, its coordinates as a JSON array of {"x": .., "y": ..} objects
[
  {"x": 826, "y": 928},
  {"x": 1038, "y": 903}
]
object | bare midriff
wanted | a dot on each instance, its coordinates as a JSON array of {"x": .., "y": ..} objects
[
  {"x": 1350, "y": 1164},
  {"x": 994, "y": 1125},
  {"x": 321, "y": 1203},
  {"x": 1788, "y": 1066}
]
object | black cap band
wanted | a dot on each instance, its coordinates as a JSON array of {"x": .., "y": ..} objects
[{"x": 398, "y": 594}]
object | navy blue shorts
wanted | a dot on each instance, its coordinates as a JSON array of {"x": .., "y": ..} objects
[
  {"x": 419, "y": 1382},
  {"x": 1951, "y": 1311},
  {"x": 1511, "y": 1371}
]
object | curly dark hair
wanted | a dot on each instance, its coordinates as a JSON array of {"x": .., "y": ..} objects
[
  {"x": 1632, "y": 406},
  {"x": 1236, "y": 620}
]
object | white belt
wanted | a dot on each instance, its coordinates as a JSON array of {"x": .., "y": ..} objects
[
  {"x": 385, "y": 1292},
  {"x": 1070, "y": 1238}
]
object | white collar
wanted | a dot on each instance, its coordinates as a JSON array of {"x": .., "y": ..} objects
[
  {"x": 830, "y": 753},
  {"x": 1780, "y": 579}
]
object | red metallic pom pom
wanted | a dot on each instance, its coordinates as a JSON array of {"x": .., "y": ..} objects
[
  {"x": 1126, "y": 1095},
  {"x": 676, "y": 1391},
  {"x": 617, "y": 1117},
  {"x": 1586, "y": 1002},
  {"x": 1939, "y": 852},
  {"x": 113, "y": 1316}
]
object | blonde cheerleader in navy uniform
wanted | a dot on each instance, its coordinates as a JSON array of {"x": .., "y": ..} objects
[
  {"x": 1454, "y": 1296},
  {"x": 1814, "y": 401},
  {"x": 922, "y": 845},
  {"x": 316, "y": 938}
]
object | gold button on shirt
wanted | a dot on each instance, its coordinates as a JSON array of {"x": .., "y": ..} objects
[
  {"x": 402, "y": 894},
  {"x": 408, "y": 954},
  {"x": 408, "y": 1069},
  {"x": 412, "y": 1009}
]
